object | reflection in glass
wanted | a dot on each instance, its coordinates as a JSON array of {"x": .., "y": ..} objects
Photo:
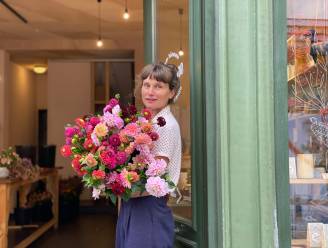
[
  {"x": 307, "y": 119},
  {"x": 172, "y": 34},
  {"x": 121, "y": 81}
]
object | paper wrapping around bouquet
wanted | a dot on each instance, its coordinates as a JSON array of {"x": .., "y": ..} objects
[
  {"x": 314, "y": 235},
  {"x": 305, "y": 165}
]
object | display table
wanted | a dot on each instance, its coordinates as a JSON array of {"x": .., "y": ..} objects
[{"x": 9, "y": 186}]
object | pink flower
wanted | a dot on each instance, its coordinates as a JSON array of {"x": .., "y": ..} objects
[
  {"x": 157, "y": 168},
  {"x": 130, "y": 149},
  {"x": 121, "y": 157},
  {"x": 128, "y": 177},
  {"x": 114, "y": 140},
  {"x": 94, "y": 121},
  {"x": 112, "y": 102},
  {"x": 132, "y": 129},
  {"x": 118, "y": 121},
  {"x": 70, "y": 131},
  {"x": 95, "y": 139},
  {"x": 116, "y": 110},
  {"x": 68, "y": 141},
  {"x": 98, "y": 174},
  {"x": 143, "y": 139},
  {"x": 111, "y": 178},
  {"x": 157, "y": 186},
  {"x": 90, "y": 160}
]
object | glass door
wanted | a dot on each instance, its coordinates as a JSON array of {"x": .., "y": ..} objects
[{"x": 307, "y": 44}]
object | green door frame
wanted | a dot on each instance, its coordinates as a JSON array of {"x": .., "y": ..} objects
[{"x": 238, "y": 123}]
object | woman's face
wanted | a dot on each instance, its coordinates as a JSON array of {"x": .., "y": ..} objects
[{"x": 155, "y": 95}]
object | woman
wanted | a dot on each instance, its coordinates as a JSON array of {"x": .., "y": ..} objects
[{"x": 146, "y": 221}]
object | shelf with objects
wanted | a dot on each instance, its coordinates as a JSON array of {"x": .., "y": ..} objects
[
  {"x": 37, "y": 203},
  {"x": 308, "y": 139}
]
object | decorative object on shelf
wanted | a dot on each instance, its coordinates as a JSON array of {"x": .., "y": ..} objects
[
  {"x": 4, "y": 172},
  {"x": 318, "y": 172},
  {"x": 324, "y": 243},
  {"x": 8, "y": 159},
  {"x": 183, "y": 180},
  {"x": 314, "y": 235},
  {"x": 25, "y": 170},
  {"x": 305, "y": 165},
  {"x": 292, "y": 167}
]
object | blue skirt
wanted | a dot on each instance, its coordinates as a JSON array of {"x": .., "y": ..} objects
[{"x": 145, "y": 222}]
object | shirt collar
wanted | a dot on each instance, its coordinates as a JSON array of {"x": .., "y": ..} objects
[{"x": 165, "y": 111}]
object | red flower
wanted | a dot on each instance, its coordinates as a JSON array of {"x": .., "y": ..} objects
[
  {"x": 121, "y": 157},
  {"x": 77, "y": 166},
  {"x": 66, "y": 151},
  {"x": 108, "y": 158},
  {"x": 161, "y": 121},
  {"x": 146, "y": 113},
  {"x": 94, "y": 121},
  {"x": 154, "y": 136},
  {"x": 132, "y": 109},
  {"x": 98, "y": 174},
  {"x": 117, "y": 188},
  {"x": 114, "y": 140},
  {"x": 88, "y": 144},
  {"x": 80, "y": 122}
]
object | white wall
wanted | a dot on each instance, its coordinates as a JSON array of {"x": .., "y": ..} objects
[
  {"x": 22, "y": 106},
  {"x": 69, "y": 96}
]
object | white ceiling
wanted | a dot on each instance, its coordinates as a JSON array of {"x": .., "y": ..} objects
[{"x": 72, "y": 26}]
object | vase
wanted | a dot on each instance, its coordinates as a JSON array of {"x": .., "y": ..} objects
[{"x": 4, "y": 172}]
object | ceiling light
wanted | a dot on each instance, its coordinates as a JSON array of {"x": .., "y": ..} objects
[
  {"x": 99, "y": 41},
  {"x": 40, "y": 69},
  {"x": 126, "y": 14}
]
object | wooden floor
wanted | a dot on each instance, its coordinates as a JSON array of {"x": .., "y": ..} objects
[{"x": 88, "y": 230}]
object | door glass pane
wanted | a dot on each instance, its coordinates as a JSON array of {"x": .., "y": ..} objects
[
  {"x": 172, "y": 36},
  {"x": 99, "y": 79},
  {"x": 308, "y": 121},
  {"x": 121, "y": 79}
]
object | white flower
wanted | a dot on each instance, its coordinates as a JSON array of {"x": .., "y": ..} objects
[{"x": 116, "y": 110}]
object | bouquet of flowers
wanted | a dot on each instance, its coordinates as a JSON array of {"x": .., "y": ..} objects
[
  {"x": 8, "y": 158},
  {"x": 112, "y": 152}
]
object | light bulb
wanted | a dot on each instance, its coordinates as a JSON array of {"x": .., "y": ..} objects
[
  {"x": 181, "y": 53},
  {"x": 99, "y": 43},
  {"x": 126, "y": 15}
]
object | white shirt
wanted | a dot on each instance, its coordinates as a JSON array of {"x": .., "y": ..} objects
[{"x": 169, "y": 143}]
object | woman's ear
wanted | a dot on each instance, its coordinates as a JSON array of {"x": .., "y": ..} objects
[{"x": 172, "y": 94}]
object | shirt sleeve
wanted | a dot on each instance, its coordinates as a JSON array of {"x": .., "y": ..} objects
[{"x": 165, "y": 144}]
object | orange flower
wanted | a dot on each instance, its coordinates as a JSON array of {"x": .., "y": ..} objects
[{"x": 146, "y": 127}]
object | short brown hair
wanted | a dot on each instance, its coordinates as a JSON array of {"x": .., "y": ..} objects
[{"x": 166, "y": 73}]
